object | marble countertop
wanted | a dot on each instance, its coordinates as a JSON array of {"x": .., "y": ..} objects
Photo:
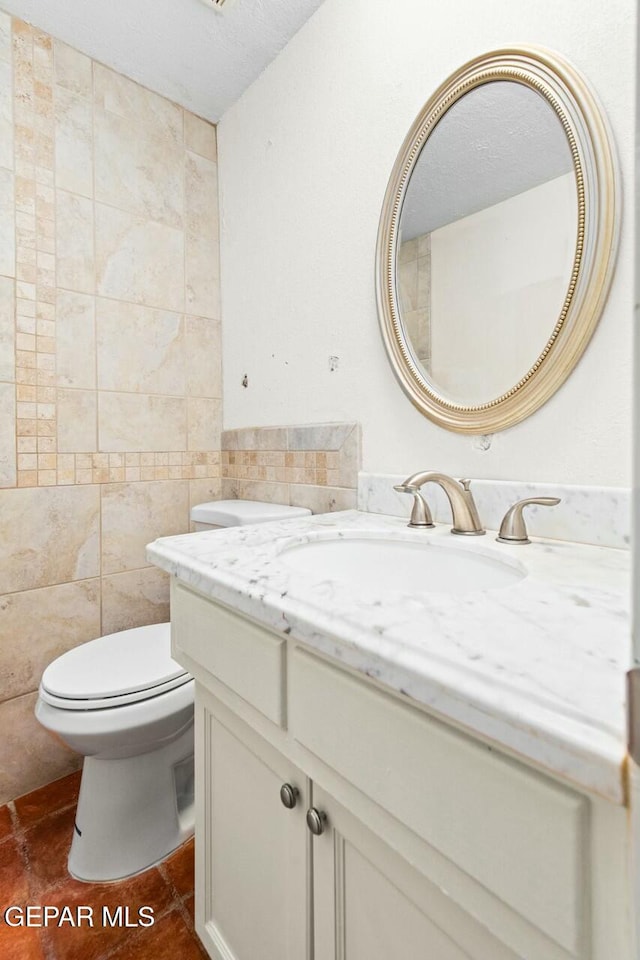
[{"x": 537, "y": 667}]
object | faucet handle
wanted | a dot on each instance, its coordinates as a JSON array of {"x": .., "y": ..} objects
[
  {"x": 420, "y": 514},
  {"x": 513, "y": 528}
]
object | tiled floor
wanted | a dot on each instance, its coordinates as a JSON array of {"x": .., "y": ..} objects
[{"x": 35, "y": 833}]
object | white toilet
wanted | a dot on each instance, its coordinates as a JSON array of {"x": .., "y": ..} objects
[{"x": 124, "y": 704}]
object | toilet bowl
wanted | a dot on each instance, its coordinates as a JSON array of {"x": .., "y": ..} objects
[{"x": 123, "y": 703}]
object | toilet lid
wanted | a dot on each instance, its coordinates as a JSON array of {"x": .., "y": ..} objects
[
  {"x": 238, "y": 513},
  {"x": 129, "y": 665}
]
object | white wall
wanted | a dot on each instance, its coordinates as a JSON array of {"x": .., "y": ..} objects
[
  {"x": 304, "y": 160},
  {"x": 494, "y": 308}
]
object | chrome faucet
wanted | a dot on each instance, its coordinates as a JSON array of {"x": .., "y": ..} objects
[{"x": 463, "y": 507}]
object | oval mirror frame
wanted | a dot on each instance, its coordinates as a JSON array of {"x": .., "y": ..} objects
[{"x": 595, "y": 169}]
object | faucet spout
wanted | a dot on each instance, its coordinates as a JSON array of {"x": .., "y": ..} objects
[{"x": 464, "y": 511}]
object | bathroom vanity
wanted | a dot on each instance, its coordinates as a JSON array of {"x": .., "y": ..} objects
[{"x": 401, "y": 773}]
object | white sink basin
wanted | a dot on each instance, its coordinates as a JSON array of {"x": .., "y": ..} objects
[{"x": 381, "y": 565}]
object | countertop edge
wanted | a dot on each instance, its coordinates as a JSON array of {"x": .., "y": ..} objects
[{"x": 579, "y": 754}]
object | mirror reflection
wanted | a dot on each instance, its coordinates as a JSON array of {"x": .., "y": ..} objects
[{"x": 486, "y": 241}]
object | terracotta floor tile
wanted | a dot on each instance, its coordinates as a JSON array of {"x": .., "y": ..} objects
[
  {"x": 37, "y": 873},
  {"x": 180, "y": 868},
  {"x": 46, "y": 800},
  {"x": 167, "y": 939},
  {"x": 14, "y": 888},
  {"x": 89, "y": 943},
  {"x": 6, "y": 824},
  {"x": 20, "y": 943},
  {"x": 47, "y": 845}
]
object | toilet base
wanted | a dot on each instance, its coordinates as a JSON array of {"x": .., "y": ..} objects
[{"x": 133, "y": 811}]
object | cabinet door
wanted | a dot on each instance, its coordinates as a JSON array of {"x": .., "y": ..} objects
[
  {"x": 252, "y": 852},
  {"x": 370, "y": 904}
]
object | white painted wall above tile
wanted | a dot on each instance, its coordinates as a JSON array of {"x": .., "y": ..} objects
[{"x": 305, "y": 157}]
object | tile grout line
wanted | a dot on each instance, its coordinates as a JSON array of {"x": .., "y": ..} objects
[
  {"x": 15, "y": 260},
  {"x": 94, "y": 291}
]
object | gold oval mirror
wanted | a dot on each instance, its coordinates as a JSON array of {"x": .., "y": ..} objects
[{"x": 496, "y": 240}]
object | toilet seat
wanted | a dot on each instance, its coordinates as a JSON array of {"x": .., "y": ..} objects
[{"x": 114, "y": 670}]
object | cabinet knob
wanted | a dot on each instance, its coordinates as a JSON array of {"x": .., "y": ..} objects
[
  {"x": 289, "y": 795},
  {"x": 316, "y": 820}
]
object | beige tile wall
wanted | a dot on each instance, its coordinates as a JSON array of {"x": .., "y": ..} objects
[
  {"x": 310, "y": 465},
  {"x": 110, "y": 378},
  {"x": 414, "y": 274}
]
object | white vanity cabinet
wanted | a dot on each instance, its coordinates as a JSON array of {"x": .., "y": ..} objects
[
  {"x": 252, "y": 851},
  {"x": 369, "y": 902},
  {"x": 432, "y": 844}
]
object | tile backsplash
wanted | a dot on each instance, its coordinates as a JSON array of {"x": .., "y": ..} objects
[
  {"x": 310, "y": 465},
  {"x": 110, "y": 366}
]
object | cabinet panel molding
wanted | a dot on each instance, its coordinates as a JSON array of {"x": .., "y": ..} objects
[
  {"x": 521, "y": 836},
  {"x": 381, "y": 906},
  {"x": 246, "y": 658},
  {"x": 255, "y": 859}
]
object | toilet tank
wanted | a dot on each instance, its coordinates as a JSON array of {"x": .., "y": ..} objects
[{"x": 238, "y": 513}]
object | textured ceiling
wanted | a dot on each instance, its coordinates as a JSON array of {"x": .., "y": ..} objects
[
  {"x": 497, "y": 141},
  {"x": 183, "y": 49}
]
